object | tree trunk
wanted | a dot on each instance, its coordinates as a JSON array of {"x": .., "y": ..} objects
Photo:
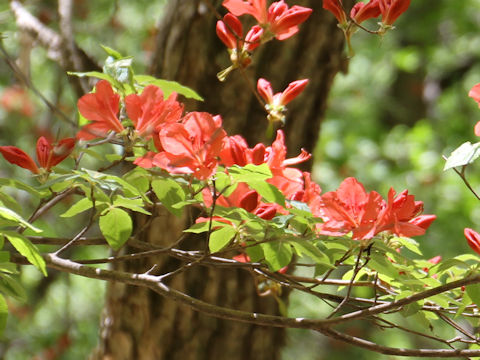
[{"x": 137, "y": 323}]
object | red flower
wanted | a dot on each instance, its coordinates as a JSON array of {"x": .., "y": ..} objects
[
  {"x": 101, "y": 108},
  {"x": 293, "y": 89},
  {"x": 473, "y": 239},
  {"x": 236, "y": 152},
  {"x": 351, "y": 209},
  {"x": 286, "y": 179},
  {"x": 230, "y": 31},
  {"x": 149, "y": 111},
  {"x": 336, "y": 8},
  {"x": 276, "y": 102},
  {"x": 475, "y": 95},
  {"x": 361, "y": 11},
  {"x": 310, "y": 195},
  {"x": 47, "y": 155},
  {"x": 191, "y": 147},
  {"x": 278, "y": 21},
  {"x": 400, "y": 215},
  {"x": 391, "y": 10}
]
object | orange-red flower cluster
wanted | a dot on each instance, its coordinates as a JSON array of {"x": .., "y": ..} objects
[
  {"x": 389, "y": 9},
  {"x": 278, "y": 20},
  {"x": 352, "y": 209}
]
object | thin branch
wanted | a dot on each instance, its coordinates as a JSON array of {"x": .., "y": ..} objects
[{"x": 154, "y": 283}]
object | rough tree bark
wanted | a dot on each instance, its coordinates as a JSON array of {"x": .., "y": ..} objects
[{"x": 137, "y": 323}]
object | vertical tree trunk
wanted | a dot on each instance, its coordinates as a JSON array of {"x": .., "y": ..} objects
[{"x": 137, "y": 323}]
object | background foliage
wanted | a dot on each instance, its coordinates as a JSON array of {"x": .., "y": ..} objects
[{"x": 402, "y": 104}]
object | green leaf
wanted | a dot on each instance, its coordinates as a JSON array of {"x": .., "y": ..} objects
[
  {"x": 111, "y": 52},
  {"x": 410, "y": 244},
  {"x": 169, "y": 192},
  {"x": 278, "y": 254},
  {"x": 3, "y": 314},
  {"x": 250, "y": 172},
  {"x": 138, "y": 178},
  {"x": 27, "y": 249},
  {"x": 168, "y": 87},
  {"x": 269, "y": 192},
  {"x": 95, "y": 74},
  {"x": 474, "y": 292},
  {"x": 116, "y": 226},
  {"x": 132, "y": 204},
  {"x": 11, "y": 215},
  {"x": 80, "y": 206},
  {"x": 11, "y": 286},
  {"x": 221, "y": 238},
  {"x": 310, "y": 250},
  {"x": 463, "y": 155},
  {"x": 22, "y": 186},
  {"x": 255, "y": 253},
  {"x": 201, "y": 227}
]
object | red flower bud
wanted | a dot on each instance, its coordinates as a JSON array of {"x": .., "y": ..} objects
[
  {"x": 258, "y": 154},
  {"x": 224, "y": 30},
  {"x": 336, "y": 8},
  {"x": 266, "y": 211},
  {"x": 292, "y": 91},
  {"x": 18, "y": 157},
  {"x": 473, "y": 239},
  {"x": 361, "y": 12},
  {"x": 253, "y": 38},
  {"x": 249, "y": 201}
]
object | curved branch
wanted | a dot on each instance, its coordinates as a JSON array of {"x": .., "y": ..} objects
[{"x": 154, "y": 283}]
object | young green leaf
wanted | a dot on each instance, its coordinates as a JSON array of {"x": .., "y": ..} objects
[
  {"x": 221, "y": 238},
  {"x": 78, "y": 207},
  {"x": 277, "y": 254},
  {"x": 116, "y": 226},
  {"x": 169, "y": 192},
  {"x": 168, "y": 87},
  {"x": 11, "y": 215},
  {"x": 27, "y": 249}
]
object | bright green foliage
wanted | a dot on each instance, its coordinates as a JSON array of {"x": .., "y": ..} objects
[{"x": 116, "y": 226}]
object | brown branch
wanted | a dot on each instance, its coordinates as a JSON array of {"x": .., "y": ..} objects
[{"x": 154, "y": 283}]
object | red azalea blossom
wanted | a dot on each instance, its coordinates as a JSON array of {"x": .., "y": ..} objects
[
  {"x": 236, "y": 152},
  {"x": 400, "y": 215},
  {"x": 392, "y": 9},
  {"x": 336, "y": 8},
  {"x": 361, "y": 11},
  {"x": 230, "y": 31},
  {"x": 293, "y": 89},
  {"x": 475, "y": 95},
  {"x": 48, "y": 155},
  {"x": 473, "y": 239},
  {"x": 192, "y": 146},
  {"x": 149, "y": 111},
  {"x": 288, "y": 180},
  {"x": 278, "y": 20},
  {"x": 101, "y": 108},
  {"x": 352, "y": 209}
]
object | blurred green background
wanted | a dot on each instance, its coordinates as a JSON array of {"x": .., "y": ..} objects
[{"x": 401, "y": 106}]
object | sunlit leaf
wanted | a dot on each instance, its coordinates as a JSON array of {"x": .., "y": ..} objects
[
  {"x": 116, "y": 226},
  {"x": 27, "y": 249},
  {"x": 220, "y": 238},
  {"x": 169, "y": 192}
]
